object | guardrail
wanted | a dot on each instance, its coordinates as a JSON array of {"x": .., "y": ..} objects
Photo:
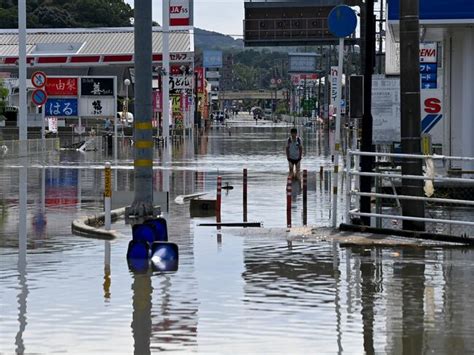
[{"x": 455, "y": 212}]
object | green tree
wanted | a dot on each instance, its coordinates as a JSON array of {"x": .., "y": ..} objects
[
  {"x": 66, "y": 13},
  {"x": 3, "y": 97}
]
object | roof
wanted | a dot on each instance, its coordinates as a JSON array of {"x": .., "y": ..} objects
[{"x": 89, "y": 44}]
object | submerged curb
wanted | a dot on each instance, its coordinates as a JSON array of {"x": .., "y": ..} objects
[{"x": 92, "y": 226}]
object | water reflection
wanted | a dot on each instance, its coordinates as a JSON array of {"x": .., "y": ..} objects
[{"x": 141, "y": 318}]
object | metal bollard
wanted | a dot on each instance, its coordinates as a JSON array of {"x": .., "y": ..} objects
[
  {"x": 107, "y": 195},
  {"x": 219, "y": 200},
  {"x": 305, "y": 197},
  {"x": 245, "y": 195},
  {"x": 288, "y": 203}
]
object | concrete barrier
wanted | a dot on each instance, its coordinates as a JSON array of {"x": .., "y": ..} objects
[{"x": 90, "y": 226}]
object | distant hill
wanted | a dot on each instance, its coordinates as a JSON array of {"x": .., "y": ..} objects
[{"x": 212, "y": 40}]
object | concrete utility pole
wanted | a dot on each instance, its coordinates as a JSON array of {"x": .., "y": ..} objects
[
  {"x": 368, "y": 54},
  {"x": 410, "y": 109},
  {"x": 165, "y": 74},
  {"x": 143, "y": 130}
]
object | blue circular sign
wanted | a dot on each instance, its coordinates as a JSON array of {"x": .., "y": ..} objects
[
  {"x": 39, "y": 97},
  {"x": 342, "y": 21}
]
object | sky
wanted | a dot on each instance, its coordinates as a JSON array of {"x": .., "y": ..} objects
[{"x": 223, "y": 16}]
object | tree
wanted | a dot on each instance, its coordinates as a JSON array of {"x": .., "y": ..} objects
[
  {"x": 66, "y": 13},
  {"x": 3, "y": 97}
]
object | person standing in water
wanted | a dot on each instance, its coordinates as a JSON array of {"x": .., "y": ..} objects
[{"x": 294, "y": 153}]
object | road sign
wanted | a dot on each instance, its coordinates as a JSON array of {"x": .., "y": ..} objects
[
  {"x": 38, "y": 79},
  {"x": 39, "y": 97},
  {"x": 342, "y": 21}
]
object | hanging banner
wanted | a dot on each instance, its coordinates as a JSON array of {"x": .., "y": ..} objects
[
  {"x": 334, "y": 86},
  {"x": 157, "y": 99},
  {"x": 181, "y": 13},
  {"x": 97, "y": 107},
  {"x": 200, "y": 78}
]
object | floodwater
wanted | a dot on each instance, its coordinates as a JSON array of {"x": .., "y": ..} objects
[{"x": 234, "y": 292}]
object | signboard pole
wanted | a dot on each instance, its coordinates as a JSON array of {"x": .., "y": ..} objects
[
  {"x": 166, "y": 71},
  {"x": 337, "y": 142},
  {"x": 43, "y": 117},
  {"x": 115, "y": 121},
  {"x": 22, "y": 113}
]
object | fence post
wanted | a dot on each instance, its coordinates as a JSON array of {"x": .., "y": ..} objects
[
  {"x": 305, "y": 197},
  {"x": 348, "y": 186},
  {"x": 288, "y": 203},
  {"x": 245, "y": 195},
  {"x": 107, "y": 195}
]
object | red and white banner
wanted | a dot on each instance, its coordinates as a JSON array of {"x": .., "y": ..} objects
[
  {"x": 200, "y": 78},
  {"x": 61, "y": 86},
  {"x": 180, "y": 13}
]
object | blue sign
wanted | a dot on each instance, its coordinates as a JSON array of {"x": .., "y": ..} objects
[
  {"x": 428, "y": 68},
  {"x": 428, "y": 85},
  {"x": 454, "y": 10},
  {"x": 39, "y": 97},
  {"x": 428, "y": 77},
  {"x": 429, "y": 121},
  {"x": 212, "y": 59},
  {"x": 61, "y": 107},
  {"x": 342, "y": 21}
]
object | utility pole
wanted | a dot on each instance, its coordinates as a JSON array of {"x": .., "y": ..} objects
[
  {"x": 143, "y": 130},
  {"x": 410, "y": 110},
  {"x": 368, "y": 54}
]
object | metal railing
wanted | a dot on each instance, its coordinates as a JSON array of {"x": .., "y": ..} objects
[
  {"x": 454, "y": 212},
  {"x": 16, "y": 148}
]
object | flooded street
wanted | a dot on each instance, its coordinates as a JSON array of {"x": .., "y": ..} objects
[{"x": 235, "y": 291}]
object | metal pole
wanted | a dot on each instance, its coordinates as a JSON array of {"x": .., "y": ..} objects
[
  {"x": 143, "y": 129},
  {"x": 410, "y": 110},
  {"x": 23, "y": 108},
  {"x": 366, "y": 139},
  {"x": 166, "y": 70},
  {"x": 219, "y": 201},
  {"x": 115, "y": 121},
  {"x": 245, "y": 195},
  {"x": 305, "y": 197},
  {"x": 337, "y": 148}
]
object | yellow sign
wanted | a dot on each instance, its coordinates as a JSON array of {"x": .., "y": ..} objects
[
  {"x": 107, "y": 182},
  {"x": 176, "y": 103}
]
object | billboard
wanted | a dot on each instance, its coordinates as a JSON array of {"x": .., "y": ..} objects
[
  {"x": 302, "y": 63},
  {"x": 212, "y": 59},
  {"x": 97, "y": 106},
  {"x": 289, "y": 22},
  {"x": 61, "y": 107},
  {"x": 435, "y": 11},
  {"x": 97, "y": 86},
  {"x": 61, "y": 86}
]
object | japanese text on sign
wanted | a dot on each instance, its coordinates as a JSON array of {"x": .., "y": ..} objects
[{"x": 61, "y": 107}]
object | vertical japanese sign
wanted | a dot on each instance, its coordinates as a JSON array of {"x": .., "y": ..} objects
[
  {"x": 181, "y": 12},
  {"x": 200, "y": 78},
  {"x": 428, "y": 65},
  {"x": 334, "y": 87}
]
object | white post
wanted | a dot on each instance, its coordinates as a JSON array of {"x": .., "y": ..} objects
[
  {"x": 166, "y": 71},
  {"x": 23, "y": 107},
  {"x": 115, "y": 121},
  {"x": 348, "y": 186},
  {"x": 107, "y": 195},
  {"x": 43, "y": 117},
  {"x": 337, "y": 149}
]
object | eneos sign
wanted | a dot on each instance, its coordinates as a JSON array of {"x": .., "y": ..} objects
[{"x": 431, "y": 109}]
